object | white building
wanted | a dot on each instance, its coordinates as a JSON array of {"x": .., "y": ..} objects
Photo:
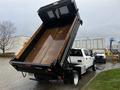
[{"x": 96, "y": 43}]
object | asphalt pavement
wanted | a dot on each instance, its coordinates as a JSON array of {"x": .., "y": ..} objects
[{"x": 10, "y": 79}]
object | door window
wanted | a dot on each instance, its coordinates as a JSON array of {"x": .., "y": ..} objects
[
  {"x": 74, "y": 52},
  {"x": 87, "y": 53}
]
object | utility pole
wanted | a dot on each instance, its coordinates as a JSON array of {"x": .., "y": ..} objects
[{"x": 111, "y": 41}]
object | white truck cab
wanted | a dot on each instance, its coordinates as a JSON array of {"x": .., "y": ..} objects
[{"x": 82, "y": 58}]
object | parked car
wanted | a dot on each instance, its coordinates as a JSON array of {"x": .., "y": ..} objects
[{"x": 100, "y": 57}]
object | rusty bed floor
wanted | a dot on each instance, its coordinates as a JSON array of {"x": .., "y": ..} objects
[{"x": 49, "y": 46}]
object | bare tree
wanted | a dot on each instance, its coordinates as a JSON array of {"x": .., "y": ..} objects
[{"x": 7, "y": 30}]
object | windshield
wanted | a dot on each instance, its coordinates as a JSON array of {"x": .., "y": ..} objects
[{"x": 75, "y": 52}]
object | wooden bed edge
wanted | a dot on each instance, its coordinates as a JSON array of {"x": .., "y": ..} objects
[{"x": 28, "y": 42}]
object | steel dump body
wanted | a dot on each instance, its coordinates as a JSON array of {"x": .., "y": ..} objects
[{"x": 50, "y": 44}]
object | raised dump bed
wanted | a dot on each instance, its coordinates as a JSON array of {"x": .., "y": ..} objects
[{"x": 51, "y": 42}]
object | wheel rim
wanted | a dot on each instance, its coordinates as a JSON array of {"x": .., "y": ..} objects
[{"x": 76, "y": 79}]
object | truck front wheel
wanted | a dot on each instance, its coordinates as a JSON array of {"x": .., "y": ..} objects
[{"x": 94, "y": 67}]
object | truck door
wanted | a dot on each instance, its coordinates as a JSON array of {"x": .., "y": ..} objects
[
  {"x": 87, "y": 58},
  {"x": 76, "y": 56}
]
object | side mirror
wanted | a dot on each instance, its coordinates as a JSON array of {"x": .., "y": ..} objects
[{"x": 91, "y": 53}]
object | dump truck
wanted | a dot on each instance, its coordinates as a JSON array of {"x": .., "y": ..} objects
[{"x": 46, "y": 53}]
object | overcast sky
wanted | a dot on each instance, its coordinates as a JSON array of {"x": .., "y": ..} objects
[{"x": 100, "y": 17}]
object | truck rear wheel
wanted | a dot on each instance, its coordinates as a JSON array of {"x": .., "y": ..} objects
[
  {"x": 72, "y": 78},
  {"x": 66, "y": 79},
  {"x": 75, "y": 78}
]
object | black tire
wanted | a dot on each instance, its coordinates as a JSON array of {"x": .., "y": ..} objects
[
  {"x": 72, "y": 78},
  {"x": 94, "y": 66},
  {"x": 37, "y": 77},
  {"x": 75, "y": 78},
  {"x": 66, "y": 79}
]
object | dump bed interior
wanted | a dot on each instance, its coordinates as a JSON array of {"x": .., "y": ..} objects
[
  {"x": 53, "y": 39},
  {"x": 49, "y": 46}
]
